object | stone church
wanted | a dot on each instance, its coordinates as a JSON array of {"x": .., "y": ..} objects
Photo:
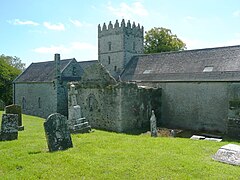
[{"x": 192, "y": 89}]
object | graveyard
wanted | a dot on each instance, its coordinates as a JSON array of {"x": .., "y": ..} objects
[{"x": 109, "y": 155}]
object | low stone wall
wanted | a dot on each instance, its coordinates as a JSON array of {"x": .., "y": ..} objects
[{"x": 118, "y": 107}]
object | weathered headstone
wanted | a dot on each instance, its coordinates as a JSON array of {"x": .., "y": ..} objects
[
  {"x": 57, "y": 133},
  {"x": 76, "y": 123},
  {"x": 153, "y": 125},
  {"x": 15, "y": 109},
  {"x": 9, "y": 127},
  {"x": 229, "y": 154}
]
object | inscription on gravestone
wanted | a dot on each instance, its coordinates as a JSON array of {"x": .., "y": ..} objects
[
  {"x": 57, "y": 133},
  {"x": 229, "y": 154},
  {"x": 15, "y": 109},
  {"x": 9, "y": 127}
]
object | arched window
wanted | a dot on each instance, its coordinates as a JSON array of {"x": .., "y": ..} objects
[
  {"x": 23, "y": 103},
  {"x": 74, "y": 72},
  {"x": 115, "y": 68},
  {"x": 39, "y": 102},
  {"x": 109, "y": 46},
  {"x": 134, "y": 45},
  {"x": 109, "y": 60}
]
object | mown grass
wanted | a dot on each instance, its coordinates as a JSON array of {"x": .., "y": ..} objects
[{"x": 108, "y": 155}]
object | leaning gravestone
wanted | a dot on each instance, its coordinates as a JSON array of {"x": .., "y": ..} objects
[
  {"x": 9, "y": 127},
  {"x": 15, "y": 109},
  {"x": 229, "y": 154},
  {"x": 57, "y": 133},
  {"x": 153, "y": 125}
]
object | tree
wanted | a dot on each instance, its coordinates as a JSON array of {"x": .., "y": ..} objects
[
  {"x": 162, "y": 40},
  {"x": 7, "y": 75},
  {"x": 13, "y": 61}
]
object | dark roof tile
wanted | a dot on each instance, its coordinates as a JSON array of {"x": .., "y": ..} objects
[{"x": 184, "y": 65}]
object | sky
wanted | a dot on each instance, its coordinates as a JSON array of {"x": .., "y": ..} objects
[{"x": 34, "y": 30}]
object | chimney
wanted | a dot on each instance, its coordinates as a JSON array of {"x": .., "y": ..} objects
[{"x": 57, "y": 65}]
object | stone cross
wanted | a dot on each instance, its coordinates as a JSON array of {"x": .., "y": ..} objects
[
  {"x": 73, "y": 95},
  {"x": 57, "y": 133},
  {"x": 15, "y": 109},
  {"x": 9, "y": 127},
  {"x": 153, "y": 125},
  {"x": 76, "y": 123}
]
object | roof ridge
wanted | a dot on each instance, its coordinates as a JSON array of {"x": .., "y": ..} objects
[
  {"x": 69, "y": 59},
  {"x": 190, "y": 50}
]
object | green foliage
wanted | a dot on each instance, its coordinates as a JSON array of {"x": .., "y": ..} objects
[
  {"x": 108, "y": 155},
  {"x": 7, "y": 75},
  {"x": 162, "y": 40},
  {"x": 15, "y": 62}
]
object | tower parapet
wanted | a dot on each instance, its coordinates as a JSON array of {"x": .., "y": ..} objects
[
  {"x": 118, "y": 43},
  {"x": 129, "y": 29}
]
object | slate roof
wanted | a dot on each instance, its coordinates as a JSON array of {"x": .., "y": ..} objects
[
  {"x": 186, "y": 65},
  {"x": 41, "y": 72},
  {"x": 85, "y": 64}
]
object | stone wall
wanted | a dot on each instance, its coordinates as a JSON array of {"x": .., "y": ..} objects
[
  {"x": 38, "y": 99},
  {"x": 114, "y": 106},
  {"x": 194, "y": 105}
]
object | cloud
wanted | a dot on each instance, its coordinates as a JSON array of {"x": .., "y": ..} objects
[
  {"x": 57, "y": 27},
  {"x": 236, "y": 13},
  {"x": 189, "y": 18},
  {"x": 128, "y": 11},
  {"x": 77, "y": 23},
  {"x": 19, "y": 22},
  {"x": 72, "y": 47}
]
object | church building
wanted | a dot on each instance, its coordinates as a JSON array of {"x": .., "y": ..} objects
[{"x": 199, "y": 88}]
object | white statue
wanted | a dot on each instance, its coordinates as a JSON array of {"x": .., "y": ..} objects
[{"x": 153, "y": 125}]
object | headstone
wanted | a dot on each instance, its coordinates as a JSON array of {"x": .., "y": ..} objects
[
  {"x": 229, "y": 154},
  {"x": 76, "y": 123},
  {"x": 15, "y": 109},
  {"x": 153, "y": 125},
  {"x": 213, "y": 139},
  {"x": 9, "y": 127},
  {"x": 57, "y": 133},
  {"x": 196, "y": 137}
]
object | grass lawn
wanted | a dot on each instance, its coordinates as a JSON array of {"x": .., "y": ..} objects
[{"x": 107, "y": 155}]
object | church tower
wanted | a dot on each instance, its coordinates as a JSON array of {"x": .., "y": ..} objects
[{"x": 117, "y": 44}]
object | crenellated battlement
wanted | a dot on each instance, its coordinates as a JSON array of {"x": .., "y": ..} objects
[{"x": 117, "y": 28}]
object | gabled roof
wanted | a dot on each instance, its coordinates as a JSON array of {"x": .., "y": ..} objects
[
  {"x": 85, "y": 64},
  {"x": 42, "y": 71},
  {"x": 212, "y": 64}
]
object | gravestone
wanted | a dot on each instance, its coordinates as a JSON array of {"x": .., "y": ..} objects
[
  {"x": 57, "y": 133},
  {"x": 153, "y": 125},
  {"x": 76, "y": 123},
  {"x": 229, "y": 154},
  {"x": 9, "y": 127},
  {"x": 15, "y": 109}
]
